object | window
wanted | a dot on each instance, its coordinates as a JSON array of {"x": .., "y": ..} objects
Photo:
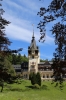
[
  {"x": 47, "y": 76},
  {"x": 26, "y": 75},
  {"x": 43, "y": 76},
  {"x": 33, "y": 57},
  {"x": 51, "y": 76},
  {"x": 32, "y": 67}
]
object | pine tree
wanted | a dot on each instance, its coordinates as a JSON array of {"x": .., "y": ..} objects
[
  {"x": 38, "y": 79},
  {"x": 4, "y": 50},
  {"x": 4, "y": 41},
  {"x": 35, "y": 78}
]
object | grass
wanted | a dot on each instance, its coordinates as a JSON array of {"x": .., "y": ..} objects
[{"x": 24, "y": 91}]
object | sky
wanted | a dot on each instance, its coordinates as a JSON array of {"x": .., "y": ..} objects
[{"x": 22, "y": 14}]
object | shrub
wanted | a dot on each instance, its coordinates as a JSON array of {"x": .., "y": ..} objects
[
  {"x": 30, "y": 76},
  {"x": 35, "y": 78},
  {"x": 36, "y": 86}
]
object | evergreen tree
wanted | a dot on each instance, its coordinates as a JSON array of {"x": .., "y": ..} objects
[
  {"x": 4, "y": 42},
  {"x": 30, "y": 76},
  {"x": 10, "y": 58},
  {"x": 14, "y": 59},
  {"x": 4, "y": 50},
  {"x": 38, "y": 79},
  {"x": 55, "y": 10},
  {"x": 35, "y": 78},
  {"x": 19, "y": 59}
]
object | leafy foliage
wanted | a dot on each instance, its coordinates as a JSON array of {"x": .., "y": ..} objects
[
  {"x": 56, "y": 9},
  {"x": 17, "y": 58}
]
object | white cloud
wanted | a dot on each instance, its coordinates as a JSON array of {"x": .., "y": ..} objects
[
  {"x": 30, "y": 4},
  {"x": 22, "y": 14},
  {"x": 35, "y": 4},
  {"x": 21, "y": 29},
  {"x": 18, "y": 21},
  {"x": 19, "y": 7},
  {"x": 13, "y": 4},
  {"x": 19, "y": 33}
]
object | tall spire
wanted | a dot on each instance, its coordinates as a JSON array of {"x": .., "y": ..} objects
[
  {"x": 33, "y": 31},
  {"x": 33, "y": 35}
]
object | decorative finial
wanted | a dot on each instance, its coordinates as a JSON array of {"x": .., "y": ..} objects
[{"x": 33, "y": 30}]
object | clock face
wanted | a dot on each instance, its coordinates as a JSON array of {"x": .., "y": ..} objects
[{"x": 32, "y": 63}]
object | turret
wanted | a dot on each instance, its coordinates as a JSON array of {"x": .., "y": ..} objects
[{"x": 33, "y": 55}]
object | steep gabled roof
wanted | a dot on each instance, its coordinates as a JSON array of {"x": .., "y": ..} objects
[
  {"x": 47, "y": 63},
  {"x": 33, "y": 43}
]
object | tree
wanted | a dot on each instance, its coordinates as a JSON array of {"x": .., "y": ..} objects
[
  {"x": 4, "y": 50},
  {"x": 19, "y": 59},
  {"x": 9, "y": 67},
  {"x": 10, "y": 59},
  {"x": 59, "y": 62},
  {"x": 35, "y": 78},
  {"x": 6, "y": 71},
  {"x": 24, "y": 55},
  {"x": 14, "y": 59},
  {"x": 4, "y": 42},
  {"x": 38, "y": 78},
  {"x": 56, "y": 9}
]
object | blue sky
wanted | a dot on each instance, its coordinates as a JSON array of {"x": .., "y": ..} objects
[{"x": 22, "y": 14}]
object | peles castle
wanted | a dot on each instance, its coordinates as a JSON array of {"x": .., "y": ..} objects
[{"x": 34, "y": 64}]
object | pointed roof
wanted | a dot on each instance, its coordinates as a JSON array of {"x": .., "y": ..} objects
[
  {"x": 33, "y": 35},
  {"x": 47, "y": 63},
  {"x": 33, "y": 43}
]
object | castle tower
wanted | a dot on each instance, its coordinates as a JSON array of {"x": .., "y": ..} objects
[{"x": 34, "y": 56}]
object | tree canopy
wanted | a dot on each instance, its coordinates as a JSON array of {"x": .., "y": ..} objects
[
  {"x": 6, "y": 70},
  {"x": 55, "y": 10}
]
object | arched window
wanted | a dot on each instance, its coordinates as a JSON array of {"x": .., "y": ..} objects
[
  {"x": 47, "y": 76},
  {"x": 32, "y": 57},
  {"x": 43, "y": 76},
  {"x": 26, "y": 76}
]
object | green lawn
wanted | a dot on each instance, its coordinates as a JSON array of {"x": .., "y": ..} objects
[{"x": 24, "y": 92}]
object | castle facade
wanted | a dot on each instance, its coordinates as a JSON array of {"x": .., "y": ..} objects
[{"x": 34, "y": 64}]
